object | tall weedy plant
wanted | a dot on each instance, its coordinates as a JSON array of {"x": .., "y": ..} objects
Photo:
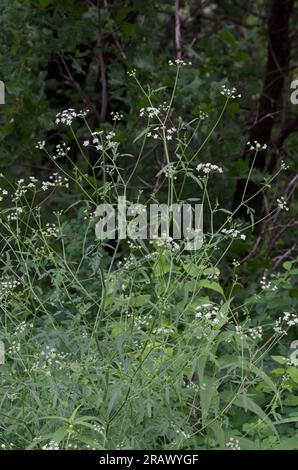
[{"x": 135, "y": 343}]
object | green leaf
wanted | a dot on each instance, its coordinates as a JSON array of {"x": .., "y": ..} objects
[
  {"x": 227, "y": 36},
  {"x": 243, "y": 401},
  {"x": 213, "y": 285},
  {"x": 193, "y": 269},
  {"x": 128, "y": 29},
  {"x": 279, "y": 359},
  {"x": 161, "y": 266},
  {"x": 211, "y": 271},
  {"x": 291, "y": 401},
  {"x": 44, "y": 3},
  {"x": 293, "y": 373},
  {"x": 141, "y": 134},
  {"x": 219, "y": 433},
  {"x": 91, "y": 442},
  {"x": 293, "y": 419},
  {"x": 207, "y": 393},
  {"x": 139, "y": 300},
  {"x": 289, "y": 443},
  {"x": 60, "y": 434},
  {"x": 287, "y": 265}
]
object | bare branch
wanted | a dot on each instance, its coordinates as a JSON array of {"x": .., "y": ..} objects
[{"x": 178, "y": 30}]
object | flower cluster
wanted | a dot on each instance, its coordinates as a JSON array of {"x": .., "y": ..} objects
[
  {"x": 163, "y": 331},
  {"x": 51, "y": 231},
  {"x": 40, "y": 145},
  {"x": 256, "y": 146},
  {"x": 149, "y": 111},
  {"x": 61, "y": 151},
  {"x": 236, "y": 263},
  {"x": 7, "y": 286},
  {"x": 233, "y": 444},
  {"x": 179, "y": 63},
  {"x": 168, "y": 132},
  {"x": 165, "y": 242},
  {"x": 15, "y": 347},
  {"x": 132, "y": 73},
  {"x": 55, "y": 180},
  {"x": 102, "y": 141},
  {"x": 50, "y": 357},
  {"x": 208, "y": 311},
  {"x": 21, "y": 328},
  {"x": 152, "y": 111},
  {"x": 14, "y": 215},
  {"x": 170, "y": 171},
  {"x": 233, "y": 233},
  {"x": 128, "y": 262},
  {"x": 192, "y": 385},
  {"x": 99, "y": 428},
  {"x": 240, "y": 332},
  {"x": 267, "y": 285},
  {"x": 182, "y": 434},
  {"x": 202, "y": 115},
  {"x": 282, "y": 204},
  {"x": 72, "y": 446},
  {"x": 110, "y": 135},
  {"x": 95, "y": 141},
  {"x": 52, "y": 445},
  {"x": 23, "y": 187},
  {"x": 68, "y": 115},
  {"x": 136, "y": 209},
  {"x": 229, "y": 92},
  {"x": 89, "y": 215},
  {"x": 3, "y": 192},
  {"x": 116, "y": 116},
  {"x": 209, "y": 168},
  {"x": 286, "y": 320},
  {"x": 256, "y": 333},
  {"x": 140, "y": 321}
]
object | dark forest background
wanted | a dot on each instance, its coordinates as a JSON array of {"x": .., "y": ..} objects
[{"x": 61, "y": 54}]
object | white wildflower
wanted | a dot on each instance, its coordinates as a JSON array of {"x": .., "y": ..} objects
[
  {"x": 229, "y": 92},
  {"x": 149, "y": 111},
  {"x": 208, "y": 311},
  {"x": 209, "y": 168},
  {"x": 66, "y": 117},
  {"x": 40, "y": 145},
  {"x": 233, "y": 233},
  {"x": 50, "y": 231},
  {"x": 233, "y": 444},
  {"x": 132, "y": 72},
  {"x": 179, "y": 63},
  {"x": 256, "y": 146},
  {"x": 286, "y": 320},
  {"x": 52, "y": 445},
  {"x": 116, "y": 116},
  {"x": 267, "y": 284},
  {"x": 282, "y": 204},
  {"x": 255, "y": 333}
]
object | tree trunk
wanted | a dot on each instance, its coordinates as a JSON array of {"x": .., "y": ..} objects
[{"x": 268, "y": 108}]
